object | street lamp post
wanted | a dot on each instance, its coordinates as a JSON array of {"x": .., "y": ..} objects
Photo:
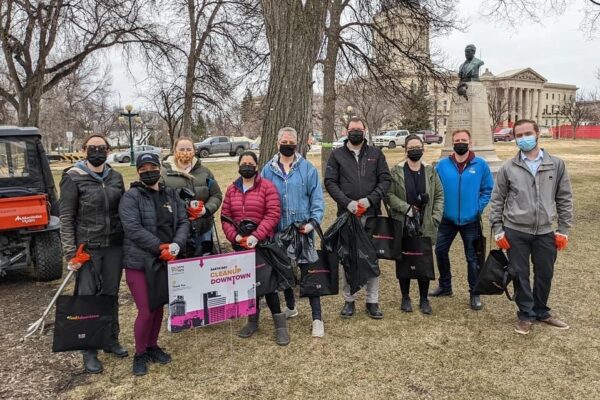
[{"x": 129, "y": 115}]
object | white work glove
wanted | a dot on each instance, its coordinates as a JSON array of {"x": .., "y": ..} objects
[
  {"x": 364, "y": 202},
  {"x": 238, "y": 238},
  {"x": 306, "y": 229},
  {"x": 174, "y": 249},
  {"x": 353, "y": 206},
  {"x": 252, "y": 241}
]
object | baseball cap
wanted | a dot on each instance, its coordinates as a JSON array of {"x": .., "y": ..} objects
[{"x": 147, "y": 158}]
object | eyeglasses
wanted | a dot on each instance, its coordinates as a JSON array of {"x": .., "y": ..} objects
[{"x": 101, "y": 148}]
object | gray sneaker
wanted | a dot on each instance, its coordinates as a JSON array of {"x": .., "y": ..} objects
[{"x": 290, "y": 313}]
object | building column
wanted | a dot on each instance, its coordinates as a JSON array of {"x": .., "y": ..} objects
[
  {"x": 506, "y": 104},
  {"x": 534, "y": 103},
  {"x": 526, "y": 104},
  {"x": 539, "y": 106},
  {"x": 518, "y": 103},
  {"x": 511, "y": 103}
]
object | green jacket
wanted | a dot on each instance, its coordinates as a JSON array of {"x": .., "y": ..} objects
[
  {"x": 396, "y": 199},
  {"x": 201, "y": 181}
]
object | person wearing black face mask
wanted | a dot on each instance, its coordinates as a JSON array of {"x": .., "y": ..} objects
[
  {"x": 156, "y": 228},
  {"x": 301, "y": 196},
  {"x": 250, "y": 213},
  {"x": 357, "y": 178},
  {"x": 416, "y": 190},
  {"x": 468, "y": 185},
  {"x": 90, "y": 193}
]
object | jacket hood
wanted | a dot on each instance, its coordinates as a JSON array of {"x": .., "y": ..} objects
[
  {"x": 171, "y": 165},
  {"x": 82, "y": 166},
  {"x": 274, "y": 163}
]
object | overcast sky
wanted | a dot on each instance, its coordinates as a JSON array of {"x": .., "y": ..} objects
[{"x": 557, "y": 49}]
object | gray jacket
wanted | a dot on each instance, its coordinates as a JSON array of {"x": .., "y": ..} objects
[{"x": 528, "y": 203}]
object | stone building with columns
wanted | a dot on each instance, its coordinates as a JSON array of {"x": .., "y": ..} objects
[{"x": 524, "y": 93}]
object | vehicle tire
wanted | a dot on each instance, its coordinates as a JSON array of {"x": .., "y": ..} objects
[
  {"x": 232, "y": 153},
  {"x": 239, "y": 151},
  {"x": 392, "y": 145},
  {"x": 439, "y": 141},
  {"x": 204, "y": 153},
  {"x": 125, "y": 159},
  {"x": 46, "y": 254}
]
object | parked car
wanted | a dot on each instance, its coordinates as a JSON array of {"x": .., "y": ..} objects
[
  {"x": 221, "y": 144},
  {"x": 392, "y": 139},
  {"x": 124, "y": 156},
  {"x": 29, "y": 222},
  {"x": 339, "y": 142},
  {"x": 430, "y": 137},
  {"x": 504, "y": 135}
]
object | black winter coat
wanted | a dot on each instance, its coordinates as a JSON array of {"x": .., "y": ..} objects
[
  {"x": 89, "y": 210},
  {"x": 138, "y": 214},
  {"x": 347, "y": 180}
]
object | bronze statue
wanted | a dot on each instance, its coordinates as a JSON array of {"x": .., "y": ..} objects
[{"x": 469, "y": 70}]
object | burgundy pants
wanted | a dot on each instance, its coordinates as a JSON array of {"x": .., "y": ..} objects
[{"x": 147, "y": 323}]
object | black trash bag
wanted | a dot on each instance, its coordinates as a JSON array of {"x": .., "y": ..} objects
[
  {"x": 266, "y": 277},
  {"x": 320, "y": 278},
  {"x": 495, "y": 276},
  {"x": 356, "y": 253},
  {"x": 412, "y": 225},
  {"x": 83, "y": 322},
  {"x": 277, "y": 258},
  {"x": 158, "y": 282},
  {"x": 417, "y": 259},
  {"x": 299, "y": 247}
]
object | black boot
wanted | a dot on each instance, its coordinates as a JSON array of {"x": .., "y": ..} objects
[
  {"x": 374, "y": 311},
  {"x": 116, "y": 349},
  {"x": 251, "y": 327},
  {"x": 90, "y": 362},
  {"x": 140, "y": 364},
  {"x": 348, "y": 309},
  {"x": 425, "y": 306},
  {"x": 476, "y": 302},
  {"x": 406, "y": 305},
  {"x": 156, "y": 354},
  {"x": 440, "y": 291}
]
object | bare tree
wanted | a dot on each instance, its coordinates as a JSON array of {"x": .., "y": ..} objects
[
  {"x": 582, "y": 109},
  {"x": 44, "y": 42},
  {"x": 167, "y": 101},
  {"x": 386, "y": 43},
  {"x": 513, "y": 11},
  {"x": 294, "y": 30},
  {"x": 498, "y": 107}
]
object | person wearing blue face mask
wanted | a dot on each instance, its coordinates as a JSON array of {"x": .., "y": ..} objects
[{"x": 531, "y": 190}]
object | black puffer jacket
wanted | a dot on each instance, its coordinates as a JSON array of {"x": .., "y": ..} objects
[
  {"x": 139, "y": 218},
  {"x": 89, "y": 208},
  {"x": 347, "y": 179}
]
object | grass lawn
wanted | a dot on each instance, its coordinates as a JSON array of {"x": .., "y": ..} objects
[{"x": 455, "y": 353}]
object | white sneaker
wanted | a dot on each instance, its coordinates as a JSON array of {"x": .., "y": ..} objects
[
  {"x": 318, "y": 328},
  {"x": 290, "y": 313}
]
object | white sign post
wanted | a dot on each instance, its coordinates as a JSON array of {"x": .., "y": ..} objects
[{"x": 70, "y": 140}]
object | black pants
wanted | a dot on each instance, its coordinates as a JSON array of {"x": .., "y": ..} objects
[
  {"x": 405, "y": 288},
  {"x": 102, "y": 276},
  {"x": 314, "y": 301},
  {"x": 272, "y": 301},
  {"x": 542, "y": 251}
]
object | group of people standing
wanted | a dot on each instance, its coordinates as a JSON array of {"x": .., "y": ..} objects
[{"x": 106, "y": 229}]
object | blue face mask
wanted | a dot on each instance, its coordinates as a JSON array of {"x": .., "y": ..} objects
[{"x": 527, "y": 143}]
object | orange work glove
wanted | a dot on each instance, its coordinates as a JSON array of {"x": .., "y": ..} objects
[
  {"x": 560, "y": 241},
  {"x": 360, "y": 210},
  {"x": 195, "y": 210},
  {"x": 81, "y": 257},
  {"x": 165, "y": 252},
  {"x": 502, "y": 241}
]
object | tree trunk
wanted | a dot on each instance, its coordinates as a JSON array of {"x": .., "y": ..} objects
[
  {"x": 188, "y": 100},
  {"x": 294, "y": 33},
  {"x": 329, "y": 94}
]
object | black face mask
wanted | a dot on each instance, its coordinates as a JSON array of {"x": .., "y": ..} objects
[
  {"x": 247, "y": 171},
  {"x": 461, "y": 148},
  {"x": 149, "y": 178},
  {"x": 356, "y": 137},
  {"x": 287, "y": 150},
  {"x": 96, "y": 158},
  {"x": 415, "y": 154}
]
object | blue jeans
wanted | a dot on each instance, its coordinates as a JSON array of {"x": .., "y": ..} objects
[
  {"x": 446, "y": 233},
  {"x": 315, "y": 303}
]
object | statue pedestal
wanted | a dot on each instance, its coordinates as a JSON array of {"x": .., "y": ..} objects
[{"x": 473, "y": 114}]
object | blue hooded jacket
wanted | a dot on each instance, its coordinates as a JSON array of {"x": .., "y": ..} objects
[
  {"x": 300, "y": 191},
  {"x": 465, "y": 195}
]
